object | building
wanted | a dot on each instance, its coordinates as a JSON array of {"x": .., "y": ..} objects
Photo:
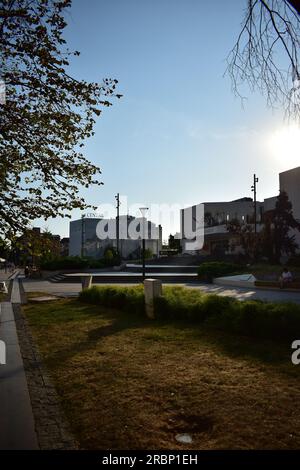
[
  {"x": 85, "y": 239},
  {"x": 216, "y": 217},
  {"x": 64, "y": 246},
  {"x": 289, "y": 181},
  {"x": 217, "y": 239}
]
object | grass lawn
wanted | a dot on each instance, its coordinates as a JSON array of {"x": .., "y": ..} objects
[{"x": 126, "y": 382}]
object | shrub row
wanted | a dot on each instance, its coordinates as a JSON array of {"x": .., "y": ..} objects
[
  {"x": 129, "y": 299},
  {"x": 76, "y": 262},
  {"x": 280, "y": 321},
  {"x": 208, "y": 270}
]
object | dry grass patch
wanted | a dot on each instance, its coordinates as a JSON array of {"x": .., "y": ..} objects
[{"x": 128, "y": 383}]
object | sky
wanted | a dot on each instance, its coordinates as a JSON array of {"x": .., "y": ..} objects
[{"x": 178, "y": 135}]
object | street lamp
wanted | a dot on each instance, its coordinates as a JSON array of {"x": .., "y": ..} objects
[
  {"x": 253, "y": 189},
  {"x": 143, "y": 212}
]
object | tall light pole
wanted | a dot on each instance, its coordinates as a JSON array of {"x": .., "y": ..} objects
[
  {"x": 118, "y": 223},
  {"x": 253, "y": 188},
  {"x": 82, "y": 235},
  {"x": 143, "y": 212}
]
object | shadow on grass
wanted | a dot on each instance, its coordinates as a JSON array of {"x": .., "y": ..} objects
[{"x": 115, "y": 321}]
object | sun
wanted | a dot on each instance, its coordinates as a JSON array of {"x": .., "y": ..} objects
[{"x": 284, "y": 145}]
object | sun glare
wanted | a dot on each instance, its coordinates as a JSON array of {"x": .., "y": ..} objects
[{"x": 284, "y": 145}]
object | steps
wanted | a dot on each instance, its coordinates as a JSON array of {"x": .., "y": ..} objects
[
  {"x": 132, "y": 273},
  {"x": 137, "y": 268},
  {"x": 57, "y": 278},
  {"x": 126, "y": 278}
]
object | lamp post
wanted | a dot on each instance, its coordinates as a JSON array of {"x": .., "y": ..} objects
[
  {"x": 82, "y": 235},
  {"x": 117, "y": 197},
  {"x": 143, "y": 212},
  {"x": 253, "y": 189}
]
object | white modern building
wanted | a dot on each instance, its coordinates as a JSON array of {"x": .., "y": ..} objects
[
  {"x": 91, "y": 236},
  {"x": 289, "y": 181},
  {"x": 216, "y": 217}
]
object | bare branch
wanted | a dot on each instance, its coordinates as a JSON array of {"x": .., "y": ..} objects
[{"x": 266, "y": 54}]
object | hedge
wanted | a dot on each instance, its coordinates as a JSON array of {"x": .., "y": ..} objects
[
  {"x": 76, "y": 262},
  {"x": 129, "y": 299},
  {"x": 208, "y": 270},
  {"x": 266, "y": 320}
]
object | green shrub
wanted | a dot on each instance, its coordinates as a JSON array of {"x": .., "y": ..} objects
[
  {"x": 65, "y": 262},
  {"x": 252, "y": 318},
  {"x": 76, "y": 262},
  {"x": 294, "y": 261},
  {"x": 208, "y": 270},
  {"x": 129, "y": 299}
]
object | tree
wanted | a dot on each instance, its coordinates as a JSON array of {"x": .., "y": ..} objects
[
  {"x": 245, "y": 235},
  {"x": 174, "y": 243},
  {"x": 283, "y": 221},
  {"x": 35, "y": 246},
  {"x": 46, "y": 117},
  {"x": 269, "y": 27},
  {"x": 277, "y": 236}
]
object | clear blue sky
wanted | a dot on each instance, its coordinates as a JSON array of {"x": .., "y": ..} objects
[{"x": 178, "y": 135}]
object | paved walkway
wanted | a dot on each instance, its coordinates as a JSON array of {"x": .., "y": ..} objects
[
  {"x": 4, "y": 276},
  {"x": 17, "y": 429},
  {"x": 240, "y": 293}
]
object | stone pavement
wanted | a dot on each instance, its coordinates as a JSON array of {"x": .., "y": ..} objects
[
  {"x": 17, "y": 428},
  {"x": 4, "y": 276},
  {"x": 30, "y": 413},
  {"x": 51, "y": 426},
  {"x": 240, "y": 293}
]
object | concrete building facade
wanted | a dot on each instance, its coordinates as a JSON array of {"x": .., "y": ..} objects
[
  {"x": 85, "y": 241},
  {"x": 217, "y": 216}
]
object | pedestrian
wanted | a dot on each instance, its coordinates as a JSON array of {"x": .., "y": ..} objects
[{"x": 286, "y": 278}]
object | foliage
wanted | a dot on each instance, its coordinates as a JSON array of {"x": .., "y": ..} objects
[
  {"x": 174, "y": 243},
  {"x": 246, "y": 237},
  {"x": 77, "y": 262},
  {"x": 294, "y": 260},
  {"x": 266, "y": 55},
  {"x": 129, "y": 299},
  {"x": 283, "y": 221},
  {"x": 210, "y": 269},
  {"x": 148, "y": 253},
  {"x": 250, "y": 318},
  {"x": 276, "y": 237},
  {"x": 66, "y": 262},
  {"x": 37, "y": 246},
  {"x": 46, "y": 118},
  {"x": 108, "y": 255}
]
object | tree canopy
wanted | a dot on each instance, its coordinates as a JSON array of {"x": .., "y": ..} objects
[
  {"x": 270, "y": 30},
  {"x": 46, "y": 117}
]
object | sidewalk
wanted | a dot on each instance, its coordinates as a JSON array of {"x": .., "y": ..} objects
[
  {"x": 17, "y": 429},
  {"x": 7, "y": 276}
]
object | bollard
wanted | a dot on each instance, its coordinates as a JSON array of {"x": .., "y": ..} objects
[
  {"x": 86, "y": 282},
  {"x": 3, "y": 287},
  {"x": 152, "y": 289}
]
